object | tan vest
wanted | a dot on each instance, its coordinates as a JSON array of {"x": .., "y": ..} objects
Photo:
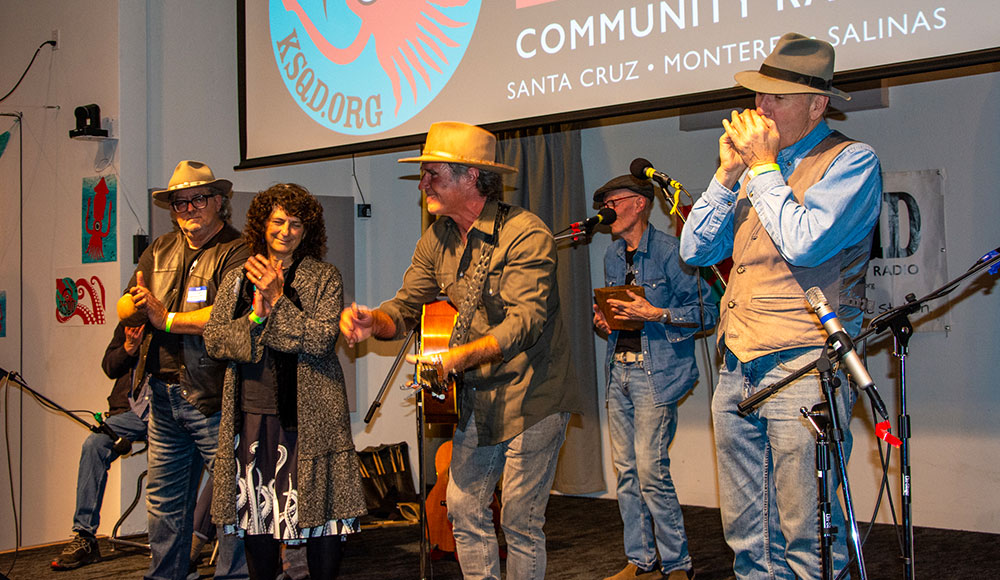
[{"x": 764, "y": 309}]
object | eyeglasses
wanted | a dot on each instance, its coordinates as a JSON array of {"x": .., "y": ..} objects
[
  {"x": 197, "y": 202},
  {"x": 611, "y": 202}
]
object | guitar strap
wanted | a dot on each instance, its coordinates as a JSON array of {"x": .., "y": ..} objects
[{"x": 476, "y": 281}]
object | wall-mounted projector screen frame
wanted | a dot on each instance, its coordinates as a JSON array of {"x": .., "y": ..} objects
[{"x": 326, "y": 78}]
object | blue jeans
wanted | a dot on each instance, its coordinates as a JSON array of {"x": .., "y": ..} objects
[
  {"x": 181, "y": 441},
  {"x": 528, "y": 465},
  {"x": 96, "y": 457},
  {"x": 642, "y": 428},
  {"x": 767, "y": 467}
]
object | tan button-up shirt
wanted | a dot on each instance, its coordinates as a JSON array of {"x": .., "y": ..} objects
[{"x": 519, "y": 307}]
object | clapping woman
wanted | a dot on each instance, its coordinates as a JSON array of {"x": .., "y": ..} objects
[{"x": 286, "y": 468}]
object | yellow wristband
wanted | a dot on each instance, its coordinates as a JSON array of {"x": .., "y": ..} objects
[
  {"x": 763, "y": 168},
  {"x": 256, "y": 319},
  {"x": 170, "y": 321}
]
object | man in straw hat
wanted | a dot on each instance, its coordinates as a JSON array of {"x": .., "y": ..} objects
[
  {"x": 795, "y": 204},
  {"x": 497, "y": 264},
  {"x": 175, "y": 285}
]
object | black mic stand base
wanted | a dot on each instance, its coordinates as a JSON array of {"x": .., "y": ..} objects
[
  {"x": 819, "y": 418},
  {"x": 902, "y": 330},
  {"x": 836, "y": 433},
  {"x": 421, "y": 478}
]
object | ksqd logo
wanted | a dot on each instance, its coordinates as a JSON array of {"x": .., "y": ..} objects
[{"x": 361, "y": 67}]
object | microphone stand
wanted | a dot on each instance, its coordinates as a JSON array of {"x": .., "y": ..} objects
[
  {"x": 388, "y": 377},
  {"x": 421, "y": 477},
  {"x": 576, "y": 236},
  {"x": 47, "y": 402},
  {"x": 575, "y": 232},
  {"x": 829, "y": 381},
  {"x": 819, "y": 418},
  {"x": 896, "y": 320},
  {"x": 101, "y": 427},
  {"x": 902, "y": 330},
  {"x": 673, "y": 203}
]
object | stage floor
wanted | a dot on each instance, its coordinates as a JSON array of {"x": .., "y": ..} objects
[{"x": 584, "y": 541}]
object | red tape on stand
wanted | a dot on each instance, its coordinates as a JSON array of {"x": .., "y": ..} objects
[{"x": 882, "y": 431}]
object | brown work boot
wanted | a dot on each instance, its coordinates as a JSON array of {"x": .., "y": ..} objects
[
  {"x": 81, "y": 551},
  {"x": 633, "y": 571}
]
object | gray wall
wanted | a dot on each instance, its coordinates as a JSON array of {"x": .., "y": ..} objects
[{"x": 169, "y": 81}]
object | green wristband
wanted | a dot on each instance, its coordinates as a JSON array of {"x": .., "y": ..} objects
[
  {"x": 256, "y": 319},
  {"x": 763, "y": 168},
  {"x": 170, "y": 321}
]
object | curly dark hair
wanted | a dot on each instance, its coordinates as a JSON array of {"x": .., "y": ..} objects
[{"x": 296, "y": 201}]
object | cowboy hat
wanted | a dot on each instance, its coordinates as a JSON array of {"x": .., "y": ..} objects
[
  {"x": 798, "y": 64},
  {"x": 190, "y": 174},
  {"x": 453, "y": 142}
]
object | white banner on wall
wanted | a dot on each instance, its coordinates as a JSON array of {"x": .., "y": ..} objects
[
  {"x": 322, "y": 74},
  {"x": 909, "y": 250}
]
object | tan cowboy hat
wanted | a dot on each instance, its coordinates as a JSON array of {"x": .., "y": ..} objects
[
  {"x": 190, "y": 174},
  {"x": 452, "y": 142},
  {"x": 798, "y": 64}
]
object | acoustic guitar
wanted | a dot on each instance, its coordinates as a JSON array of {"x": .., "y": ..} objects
[{"x": 436, "y": 322}]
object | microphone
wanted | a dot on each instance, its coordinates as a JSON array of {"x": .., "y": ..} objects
[
  {"x": 845, "y": 347},
  {"x": 122, "y": 446},
  {"x": 580, "y": 230},
  {"x": 642, "y": 169},
  {"x": 606, "y": 216}
]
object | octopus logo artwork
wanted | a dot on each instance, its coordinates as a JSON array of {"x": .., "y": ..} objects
[
  {"x": 361, "y": 67},
  {"x": 69, "y": 300}
]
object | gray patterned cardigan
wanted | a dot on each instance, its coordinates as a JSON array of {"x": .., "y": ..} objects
[{"x": 329, "y": 480}]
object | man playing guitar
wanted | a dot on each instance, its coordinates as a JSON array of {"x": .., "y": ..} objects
[{"x": 497, "y": 264}]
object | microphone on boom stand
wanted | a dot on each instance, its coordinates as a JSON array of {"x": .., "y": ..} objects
[{"x": 583, "y": 228}]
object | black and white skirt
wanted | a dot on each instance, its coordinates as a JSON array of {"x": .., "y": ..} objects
[{"x": 266, "y": 457}]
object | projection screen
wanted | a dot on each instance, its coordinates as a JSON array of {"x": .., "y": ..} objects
[{"x": 322, "y": 78}]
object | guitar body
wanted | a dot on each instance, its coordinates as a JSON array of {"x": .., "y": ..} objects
[
  {"x": 439, "y": 529},
  {"x": 436, "y": 323}
]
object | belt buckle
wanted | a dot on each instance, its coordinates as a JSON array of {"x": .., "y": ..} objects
[{"x": 628, "y": 357}]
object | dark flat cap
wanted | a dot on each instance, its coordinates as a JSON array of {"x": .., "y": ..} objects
[{"x": 643, "y": 187}]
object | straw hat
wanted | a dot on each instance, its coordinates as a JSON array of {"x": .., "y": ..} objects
[
  {"x": 798, "y": 64},
  {"x": 453, "y": 142},
  {"x": 190, "y": 174}
]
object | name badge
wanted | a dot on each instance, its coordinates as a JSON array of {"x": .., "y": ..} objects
[{"x": 197, "y": 294}]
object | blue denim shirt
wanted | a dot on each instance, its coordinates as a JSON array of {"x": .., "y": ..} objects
[
  {"x": 837, "y": 212},
  {"x": 668, "y": 350}
]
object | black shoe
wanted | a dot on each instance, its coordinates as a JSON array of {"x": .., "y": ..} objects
[
  {"x": 81, "y": 551},
  {"x": 193, "y": 573}
]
